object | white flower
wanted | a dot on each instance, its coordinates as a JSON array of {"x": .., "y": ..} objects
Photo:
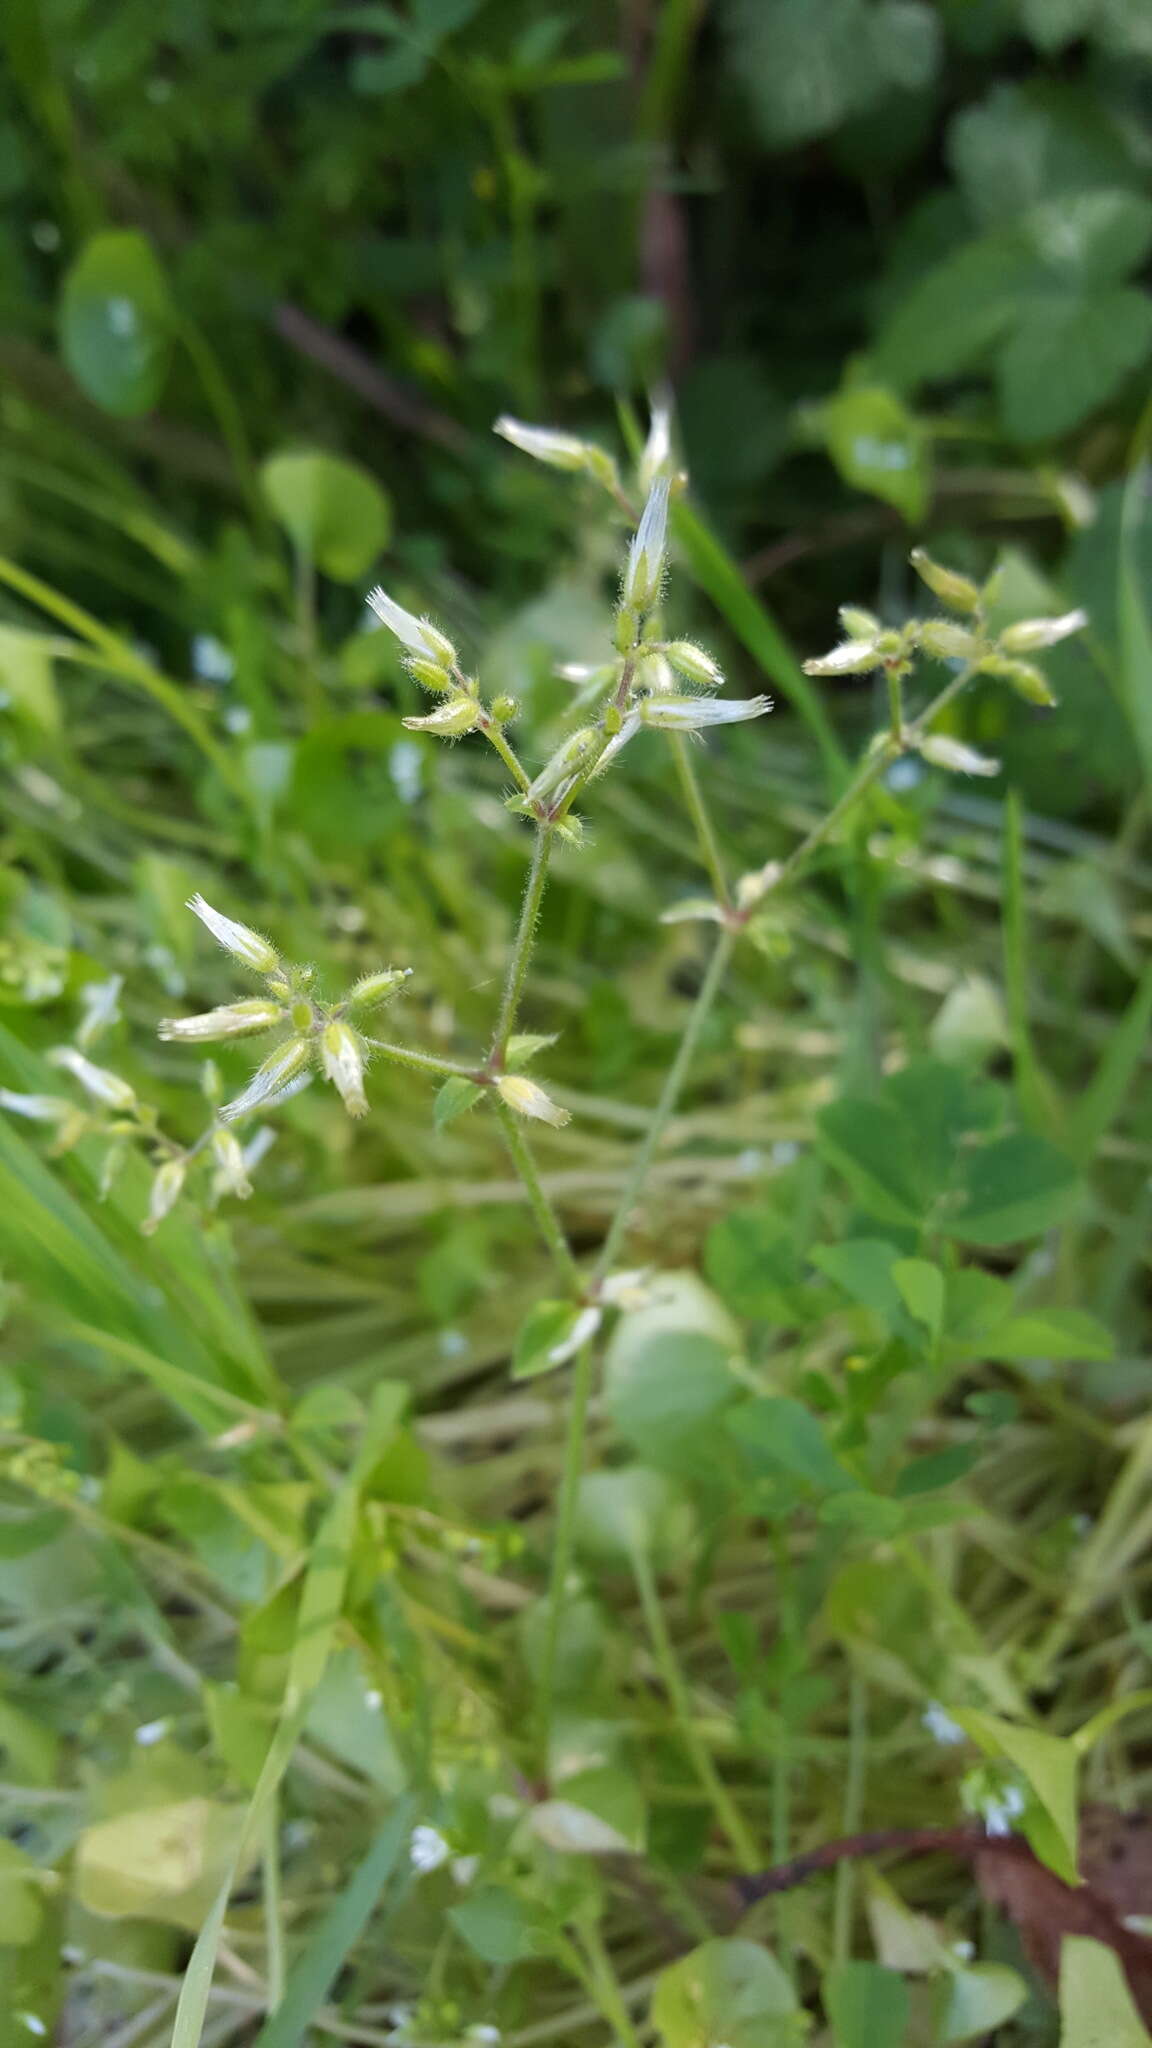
[
  {"x": 545, "y": 444},
  {"x": 95, "y": 1081},
  {"x": 419, "y": 635},
  {"x": 657, "y": 455},
  {"x": 427, "y": 1850},
  {"x": 101, "y": 1005},
  {"x": 232, "y": 1020},
  {"x": 940, "y": 1725},
  {"x": 523, "y": 1096},
  {"x": 1029, "y": 634},
  {"x": 40, "y": 1109},
  {"x": 944, "y": 752},
  {"x": 644, "y": 569},
  {"x": 231, "y": 1175},
  {"x": 627, "y": 1290},
  {"x": 151, "y": 1732},
  {"x": 166, "y": 1187},
  {"x": 238, "y": 939},
  {"x": 343, "y": 1059},
  {"x": 691, "y": 714},
  {"x": 999, "y": 1811},
  {"x": 286, "y": 1067},
  {"x": 851, "y": 658}
]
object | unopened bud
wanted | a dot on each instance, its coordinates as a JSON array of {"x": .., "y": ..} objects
[
  {"x": 946, "y": 640},
  {"x": 564, "y": 765},
  {"x": 431, "y": 673},
  {"x": 281, "y": 1071},
  {"x": 558, "y": 450},
  {"x": 373, "y": 989},
  {"x": 528, "y": 1099},
  {"x": 95, "y": 1081},
  {"x": 39, "y": 1109},
  {"x": 458, "y": 715},
  {"x": 945, "y": 752},
  {"x": 693, "y": 663},
  {"x": 644, "y": 569},
  {"x": 857, "y": 623},
  {"x": 954, "y": 590},
  {"x": 233, "y": 1020},
  {"x": 342, "y": 1055},
  {"x": 851, "y": 658},
  {"x": 1029, "y": 635},
  {"x": 165, "y": 1193},
  {"x": 503, "y": 709},
  {"x": 420, "y": 636},
  {"x": 657, "y": 454},
  {"x": 238, "y": 939},
  {"x": 1023, "y": 676}
]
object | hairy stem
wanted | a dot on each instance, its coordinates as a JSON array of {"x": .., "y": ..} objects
[
  {"x": 521, "y": 952},
  {"x": 548, "y": 1222},
  {"x": 422, "y": 1062},
  {"x": 563, "y": 1542}
]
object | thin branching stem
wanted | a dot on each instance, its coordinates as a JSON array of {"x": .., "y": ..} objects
[
  {"x": 701, "y": 818},
  {"x": 548, "y": 1222},
  {"x": 521, "y": 953}
]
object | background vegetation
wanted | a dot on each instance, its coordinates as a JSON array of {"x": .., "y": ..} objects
[{"x": 879, "y": 1447}]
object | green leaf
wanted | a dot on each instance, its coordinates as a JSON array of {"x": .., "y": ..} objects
[
  {"x": 343, "y": 793},
  {"x": 523, "y": 1047},
  {"x": 1099, "y": 1105},
  {"x": 1049, "y": 1764},
  {"x": 922, "y": 1289},
  {"x": 632, "y": 1512},
  {"x": 749, "y": 1260},
  {"x": 728, "y": 1991},
  {"x": 117, "y": 323},
  {"x": 660, "y": 1394},
  {"x": 27, "y": 676},
  {"x": 782, "y": 1435},
  {"x": 1097, "y": 2009},
  {"x": 334, "y": 512},
  {"x": 951, "y": 318},
  {"x": 879, "y": 447},
  {"x": 21, "y": 1910},
  {"x": 546, "y": 1327},
  {"x": 1092, "y": 238},
  {"x": 936, "y": 1469},
  {"x": 334, "y": 1936},
  {"x": 1056, "y": 1333},
  {"x": 977, "y": 2000},
  {"x": 867, "y": 2004},
  {"x": 1016, "y": 1187},
  {"x": 455, "y": 1096},
  {"x": 158, "y": 1862},
  {"x": 500, "y": 1927},
  {"x": 1067, "y": 355},
  {"x": 875, "y": 1151},
  {"x": 863, "y": 1267}
]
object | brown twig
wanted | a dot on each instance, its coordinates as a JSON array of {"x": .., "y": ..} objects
[{"x": 351, "y": 367}]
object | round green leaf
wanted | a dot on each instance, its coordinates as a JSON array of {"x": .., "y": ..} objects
[
  {"x": 630, "y": 1513},
  {"x": 117, "y": 323},
  {"x": 333, "y": 511},
  {"x": 727, "y": 1991}
]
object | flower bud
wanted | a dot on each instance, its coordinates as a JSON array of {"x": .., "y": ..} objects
[
  {"x": 431, "y": 673},
  {"x": 449, "y": 720},
  {"x": 1030, "y": 634},
  {"x": 857, "y": 623},
  {"x": 527, "y": 1099},
  {"x": 1023, "y": 676},
  {"x": 342, "y": 1056},
  {"x": 693, "y": 664},
  {"x": 945, "y": 752},
  {"x": 657, "y": 454},
  {"x": 279, "y": 1072},
  {"x": 851, "y": 658},
  {"x": 559, "y": 451},
  {"x": 231, "y": 1175},
  {"x": 374, "y": 989},
  {"x": 39, "y": 1109},
  {"x": 237, "y": 939},
  {"x": 165, "y": 1194},
  {"x": 233, "y": 1020},
  {"x": 95, "y": 1081},
  {"x": 691, "y": 714},
  {"x": 644, "y": 569},
  {"x": 565, "y": 764},
  {"x": 959, "y": 593},
  {"x": 420, "y": 636},
  {"x": 946, "y": 640},
  {"x": 503, "y": 709}
]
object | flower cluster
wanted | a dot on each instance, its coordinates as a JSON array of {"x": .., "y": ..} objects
[{"x": 320, "y": 1038}]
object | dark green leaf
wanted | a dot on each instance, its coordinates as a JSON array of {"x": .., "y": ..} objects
[{"x": 117, "y": 323}]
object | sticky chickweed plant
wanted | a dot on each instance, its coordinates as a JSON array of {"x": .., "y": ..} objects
[{"x": 807, "y": 1458}]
